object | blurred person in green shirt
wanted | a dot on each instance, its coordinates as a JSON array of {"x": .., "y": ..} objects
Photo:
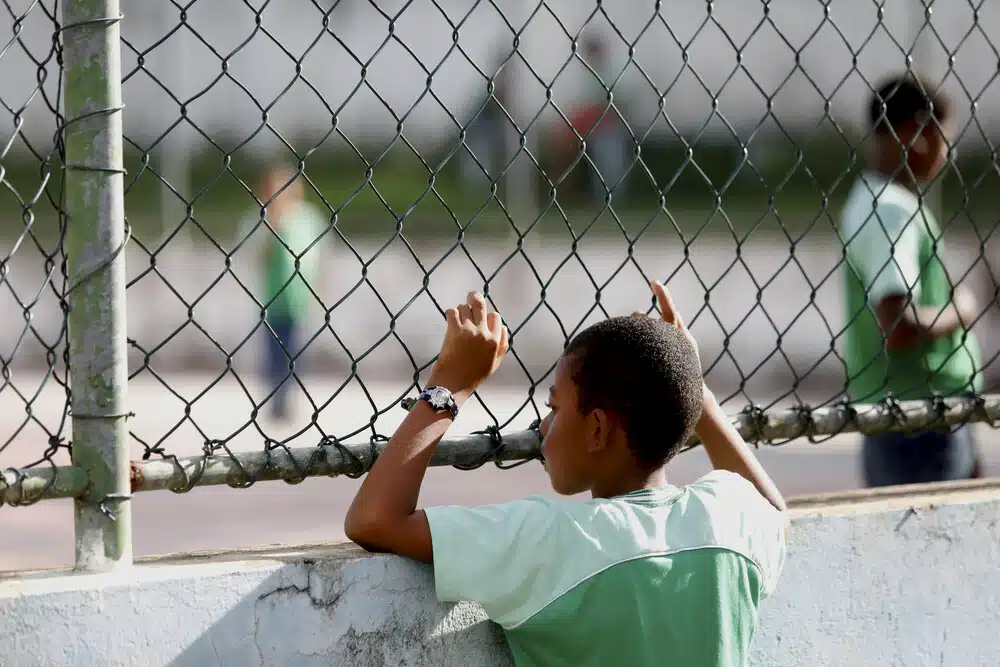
[
  {"x": 909, "y": 320},
  {"x": 285, "y": 235}
]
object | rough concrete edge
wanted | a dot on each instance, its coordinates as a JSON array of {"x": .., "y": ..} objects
[
  {"x": 894, "y": 497},
  {"x": 341, "y": 550},
  {"x": 248, "y": 557}
]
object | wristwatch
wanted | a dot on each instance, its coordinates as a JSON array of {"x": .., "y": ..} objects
[{"x": 439, "y": 398}]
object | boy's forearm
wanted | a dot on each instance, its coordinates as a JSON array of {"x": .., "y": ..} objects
[
  {"x": 391, "y": 489},
  {"x": 384, "y": 516},
  {"x": 728, "y": 451},
  {"x": 906, "y": 324},
  {"x": 935, "y": 322}
]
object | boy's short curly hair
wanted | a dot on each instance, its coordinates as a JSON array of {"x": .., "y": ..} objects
[
  {"x": 903, "y": 99},
  {"x": 646, "y": 372}
]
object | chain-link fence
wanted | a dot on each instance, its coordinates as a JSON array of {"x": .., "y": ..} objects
[
  {"x": 308, "y": 185},
  {"x": 35, "y": 403}
]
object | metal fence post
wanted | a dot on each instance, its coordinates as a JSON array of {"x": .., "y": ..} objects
[{"x": 95, "y": 242}]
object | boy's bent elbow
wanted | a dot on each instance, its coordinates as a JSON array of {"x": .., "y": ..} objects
[
  {"x": 362, "y": 531},
  {"x": 366, "y": 538},
  {"x": 777, "y": 500},
  {"x": 408, "y": 537},
  {"x": 352, "y": 530},
  {"x": 769, "y": 490}
]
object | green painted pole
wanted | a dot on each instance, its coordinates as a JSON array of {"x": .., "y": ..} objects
[{"x": 95, "y": 242}]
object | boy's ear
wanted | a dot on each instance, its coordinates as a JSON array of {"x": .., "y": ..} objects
[
  {"x": 598, "y": 430},
  {"x": 929, "y": 130},
  {"x": 912, "y": 136},
  {"x": 907, "y": 131}
]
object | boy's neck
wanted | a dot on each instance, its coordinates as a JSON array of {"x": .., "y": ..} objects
[
  {"x": 891, "y": 170},
  {"x": 637, "y": 480}
]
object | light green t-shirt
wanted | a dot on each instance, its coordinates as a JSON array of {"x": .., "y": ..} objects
[
  {"x": 667, "y": 576},
  {"x": 286, "y": 291},
  {"x": 894, "y": 246}
]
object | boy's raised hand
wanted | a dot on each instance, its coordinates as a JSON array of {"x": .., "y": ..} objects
[
  {"x": 475, "y": 343},
  {"x": 668, "y": 312},
  {"x": 725, "y": 446},
  {"x": 384, "y": 516}
]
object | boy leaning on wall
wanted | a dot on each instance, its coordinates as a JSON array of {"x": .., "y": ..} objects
[{"x": 642, "y": 573}]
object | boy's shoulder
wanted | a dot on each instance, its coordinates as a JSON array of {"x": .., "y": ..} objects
[
  {"x": 719, "y": 509},
  {"x": 484, "y": 553},
  {"x": 718, "y": 496},
  {"x": 875, "y": 195}
]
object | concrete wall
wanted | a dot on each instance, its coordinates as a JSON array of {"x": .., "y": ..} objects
[{"x": 888, "y": 580}]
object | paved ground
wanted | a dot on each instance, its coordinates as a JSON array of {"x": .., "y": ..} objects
[
  {"x": 275, "y": 512},
  {"x": 773, "y": 312}
]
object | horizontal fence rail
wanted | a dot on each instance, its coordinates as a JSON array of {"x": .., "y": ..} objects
[{"x": 293, "y": 465}]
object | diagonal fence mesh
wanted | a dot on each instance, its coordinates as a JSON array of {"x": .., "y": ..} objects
[
  {"x": 310, "y": 184},
  {"x": 34, "y": 388}
]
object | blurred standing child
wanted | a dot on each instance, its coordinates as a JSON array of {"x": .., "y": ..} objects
[
  {"x": 488, "y": 150},
  {"x": 599, "y": 123},
  {"x": 286, "y": 235},
  {"x": 909, "y": 321}
]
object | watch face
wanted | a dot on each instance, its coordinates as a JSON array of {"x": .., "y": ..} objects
[{"x": 437, "y": 398}]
